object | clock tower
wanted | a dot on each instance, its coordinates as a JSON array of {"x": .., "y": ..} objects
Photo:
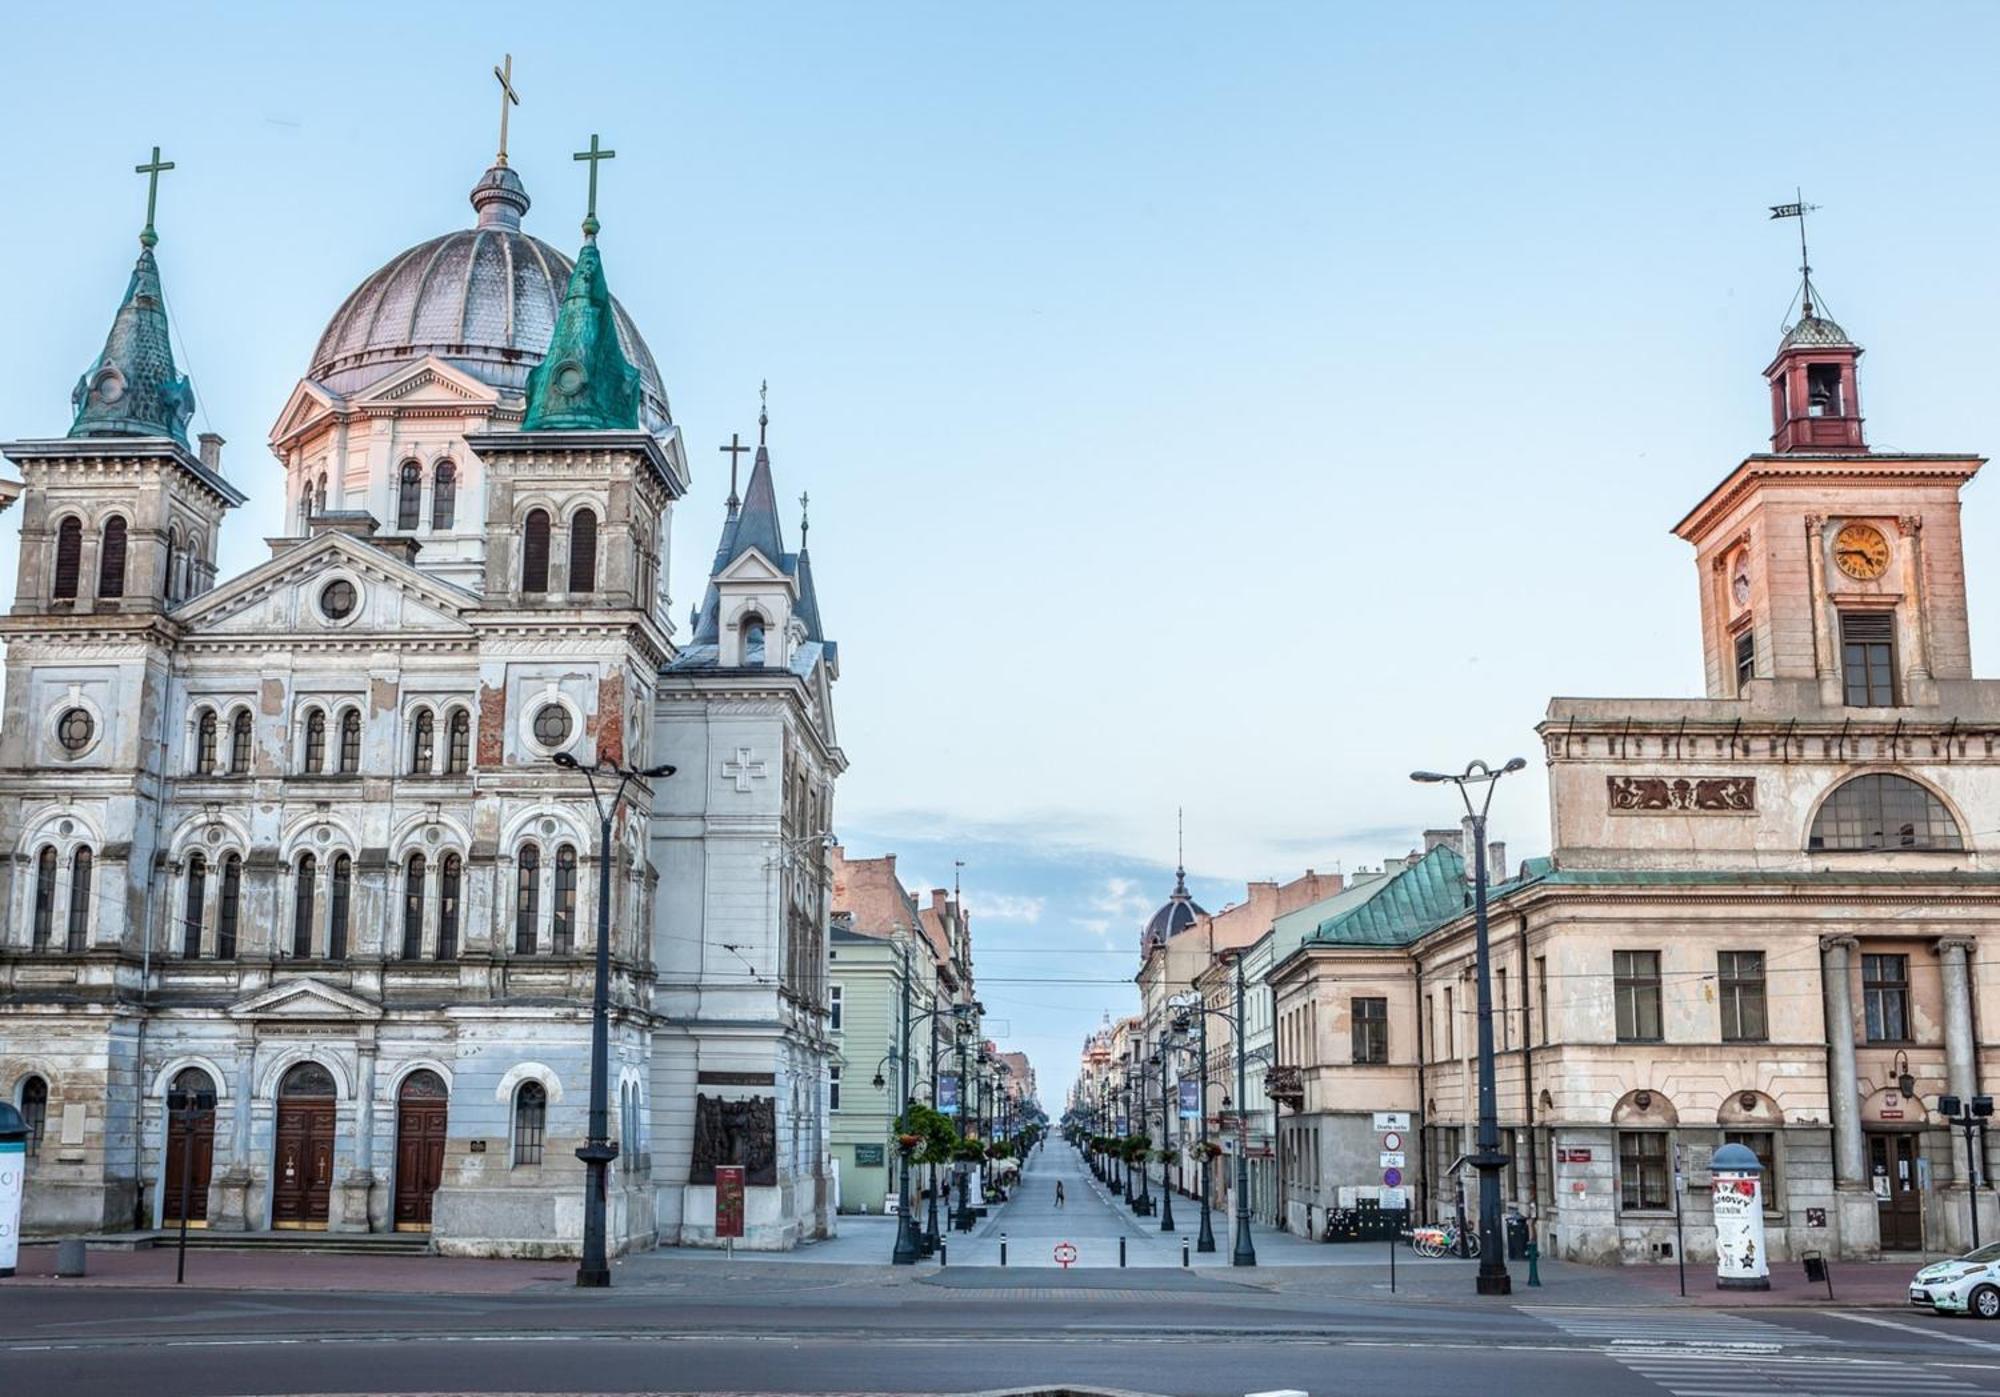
[{"x": 1831, "y": 576}]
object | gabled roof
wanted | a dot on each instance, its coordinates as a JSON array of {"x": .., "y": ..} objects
[{"x": 1403, "y": 906}]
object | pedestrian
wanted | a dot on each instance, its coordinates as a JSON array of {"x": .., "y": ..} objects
[{"x": 1059, "y": 1193}]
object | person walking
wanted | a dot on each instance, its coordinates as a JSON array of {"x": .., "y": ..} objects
[{"x": 1059, "y": 1193}]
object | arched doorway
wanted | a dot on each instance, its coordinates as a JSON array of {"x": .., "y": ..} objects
[
  {"x": 422, "y": 1104},
  {"x": 302, "y": 1182},
  {"x": 190, "y": 1155}
]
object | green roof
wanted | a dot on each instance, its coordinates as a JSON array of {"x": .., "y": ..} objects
[{"x": 1404, "y": 905}]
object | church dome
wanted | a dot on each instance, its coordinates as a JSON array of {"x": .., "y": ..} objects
[
  {"x": 1175, "y": 916},
  {"x": 483, "y": 299}
]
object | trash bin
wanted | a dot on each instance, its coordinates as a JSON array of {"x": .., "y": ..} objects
[{"x": 1517, "y": 1237}]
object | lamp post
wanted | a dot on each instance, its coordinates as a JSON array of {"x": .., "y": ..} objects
[
  {"x": 1970, "y": 1116},
  {"x": 1166, "y": 1116},
  {"x": 185, "y": 1110},
  {"x": 597, "y": 1151},
  {"x": 909, "y": 1245},
  {"x": 1196, "y": 1015},
  {"x": 1493, "y": 1277},
  {"x": 964, "y": 1220}
]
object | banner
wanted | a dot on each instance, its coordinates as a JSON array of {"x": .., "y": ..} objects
[
  {"x": 13, "y": 1172},
  {"x": 728, "y": 1200},
  {"x": 947, "y": 1094},
  {"x": 1190, "y": 1099}
]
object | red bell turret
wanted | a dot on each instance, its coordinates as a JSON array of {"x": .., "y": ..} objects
[{"x": 1815, "y": 388}]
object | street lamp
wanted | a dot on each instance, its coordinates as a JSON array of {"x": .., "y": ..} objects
[
  {"x": 1969, "y": 1116},
  {"x": 1166, "y": 1115},
  {"x": 1196, "y": 1015},
  {"x": 185, "y": 1112},
  {"x": 597, "y": 1151},
  {"x": 1493, "y": 1277}
]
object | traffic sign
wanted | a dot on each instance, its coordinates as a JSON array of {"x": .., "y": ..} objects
[
  {"x": 1392, "y": 1140},
  {"x": 1392, "y": 1159},
  {"x": 1065, "y": 1254},
  {"x": 1392, "y": 1120},
  {"x": 1393, "y": 1178}
]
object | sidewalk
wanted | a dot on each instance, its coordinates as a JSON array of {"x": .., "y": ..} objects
[{"x": 216, "y": 1269}]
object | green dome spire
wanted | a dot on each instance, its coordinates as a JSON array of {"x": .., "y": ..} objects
[
  {"x": 584, "y": 383},
  {"x": 133, "y": 388}
]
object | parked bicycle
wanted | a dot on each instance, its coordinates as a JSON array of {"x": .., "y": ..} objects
[{"x": 1443, "y": 1241}]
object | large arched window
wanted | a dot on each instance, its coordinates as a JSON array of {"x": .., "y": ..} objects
[
  {"x": 350, "y": 742},
  {"x": 338, "y": 897},
  {"x": 79, "y": 898},
  {"x": 173, "y": 562},
  {"x": 564, "y": 938},
  {"x": 230, "y": 912},
  {"x": 413, "y": 909},
  {"x": 45, "y": 896},
  {"x": 304, "y": 889},
  {"x": 423, "y": 743},
  {"x": 444, "y": 495},
  {"x": 1883, "y": 812},
  {"x": 35, "y": 1111},
  {"x": 531, "y": 1115},
  {"x": 316, "y": 742},
  {"x": 535, "y": 551},
  {"x": 410, "y": 496},
  {"x": 69, "y": 556},
  {"x": 583, "y": 552},
  {"x": 204, "y": 743},
  {"x": 450, "y": 875},
  {"x": 458, "y": 742},
  {"x": 239, "y": 743},
  {"x": 197, "y": 895},
  {"x": 111, "y": 558},
  {"x": 527, "y": 898}
]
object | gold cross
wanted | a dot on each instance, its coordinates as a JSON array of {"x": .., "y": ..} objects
[
  {"x": 593, "y": 155},
  {"x": 507, "y": 95},
  {"x": 151, "y": 171}
]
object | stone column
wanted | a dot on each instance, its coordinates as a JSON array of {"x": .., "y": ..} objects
[
  {"x": 231, "y": 1193},
  {"x": 1860, "y": 1224},
  {"x": 1919, "y": 685},
  {"x": 358, "y": 1186},
  {"x": 1824, "y": 666},
  {"x": 1960, "y": 1063}
]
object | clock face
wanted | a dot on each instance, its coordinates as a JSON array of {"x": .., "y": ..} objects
[
  {"x": 1860, "y": 551},
  {"x": 1739, "y": 582}
]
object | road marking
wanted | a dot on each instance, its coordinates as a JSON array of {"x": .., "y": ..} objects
[
  {"x": 1719, "y": 1375},
  {"x": 1928, "y": 1332},
  {"x": 1679, "y": 1329}
]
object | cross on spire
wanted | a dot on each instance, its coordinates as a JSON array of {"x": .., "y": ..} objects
[
  {"x": 763, "y": 409},
  {"x": 152, "y": 171},
  {"x": 805, "y": 519},
  {"x": 508, "y": 97},
  {"x": 735, "y": 448},
  {"x": 593, "y": 155}
]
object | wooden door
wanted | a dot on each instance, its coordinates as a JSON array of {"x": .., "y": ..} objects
[
  {"x": 1892, "y": 1163},
  {"x": 190, "y": 1156},
  {"x": 421, "y": 1111},
  {"x": 302, "y": 1177}
]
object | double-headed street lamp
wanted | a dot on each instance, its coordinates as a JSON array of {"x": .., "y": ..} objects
[
  {"x": 1195, "y": 1014},
  {"x": 598, "y": 1151},
  {"x": 1160, "y": 1056},
  {"x": 1970, "y": 1115},
  {"x": 1493, "y": 1277},
  {"x": 1244, "y": 1252},
  {"x": 909, "y": 1246}
]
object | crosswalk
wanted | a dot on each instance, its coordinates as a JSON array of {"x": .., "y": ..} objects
[
  {"x": 1690, "y": 1374},
  {"x": 1643, "y": 1328}
]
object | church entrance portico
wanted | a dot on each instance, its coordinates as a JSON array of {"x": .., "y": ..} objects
[
  {"x": 302, "y": 1175},
  {"x": 422, "y": 1105}
]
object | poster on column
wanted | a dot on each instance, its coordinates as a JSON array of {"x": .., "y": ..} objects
[
  {"x": 947, "y": 1094},
  {"x": 1739, "y": 1231},
  {"x": 13, "y": 1170},
  {"x": 1190, "y": 1099}
]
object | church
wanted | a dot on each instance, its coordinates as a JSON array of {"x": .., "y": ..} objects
[{"x": 311, "y": 839}]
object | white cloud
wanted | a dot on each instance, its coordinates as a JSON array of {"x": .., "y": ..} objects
[{"x": 1000, "y": 907}]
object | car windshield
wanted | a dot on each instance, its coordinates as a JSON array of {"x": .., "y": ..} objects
[{"x": 1988, "y": 1253}]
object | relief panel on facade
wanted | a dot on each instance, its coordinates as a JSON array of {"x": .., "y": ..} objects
[{"x": 1701, "y": 795}]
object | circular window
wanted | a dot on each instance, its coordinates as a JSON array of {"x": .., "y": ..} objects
[
  {"x": 552, "y": 725},
  {"x": 570, "y": 378},
  {"x": 75, "y": 729},
  {"x": 336, "y": 599}
]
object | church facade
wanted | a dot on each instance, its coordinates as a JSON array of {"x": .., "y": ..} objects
[{"x": 300, "y": 840}]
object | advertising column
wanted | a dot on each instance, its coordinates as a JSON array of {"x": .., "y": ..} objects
[
  {"x": 1740, "y": 1260},
  {"x": 13, "y": 1173}
]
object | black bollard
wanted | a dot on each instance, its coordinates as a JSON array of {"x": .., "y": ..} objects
[
  {"x": 944, "y": 1253},
  {"x": 1003, "y": 1248},
  {"x": 1184, "y": 1253}
]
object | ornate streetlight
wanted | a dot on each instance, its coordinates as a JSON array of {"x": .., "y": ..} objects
[
  {"x": 1493, "y": 1277},
  {"x": 1160, "y": 1056},
  {"x": 1195, "y": 1013},
  {"x": 598, "y": 1151}
]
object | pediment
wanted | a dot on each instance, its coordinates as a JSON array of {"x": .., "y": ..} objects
[
  {"x": 282, "y": 596},
  {"x": 752, "y": 566},
  {"x": 430, "y": 382},
  {"x": 298, "y": 1000},
  {"x": 308, "y": 405}
]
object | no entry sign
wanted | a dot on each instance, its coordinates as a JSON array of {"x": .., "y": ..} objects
[{"x": 1065, "y": 1254}]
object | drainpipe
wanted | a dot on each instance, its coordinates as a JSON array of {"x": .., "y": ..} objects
[
  {"x": 1423, "y": 1113},
  {"x": 1528, "y": 1074}
]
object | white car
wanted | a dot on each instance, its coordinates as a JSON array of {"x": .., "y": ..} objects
[{"x": 1964, "y": 1285}]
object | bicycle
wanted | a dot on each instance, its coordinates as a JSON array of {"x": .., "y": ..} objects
[{"x": 1439, "y": 1242}]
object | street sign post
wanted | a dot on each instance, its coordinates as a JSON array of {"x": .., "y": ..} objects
[
  {"x": 729, "y": 1204},
  {"x": 1065, "y": 1254}
]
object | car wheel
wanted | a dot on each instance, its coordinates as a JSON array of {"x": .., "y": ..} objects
[{"x": 1985, "y": 1302}]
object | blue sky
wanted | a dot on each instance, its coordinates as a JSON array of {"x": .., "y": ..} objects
[{"x": 1221, "y": 406}]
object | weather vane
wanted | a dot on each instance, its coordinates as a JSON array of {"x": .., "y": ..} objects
[{"x": 1798, "y": 209}]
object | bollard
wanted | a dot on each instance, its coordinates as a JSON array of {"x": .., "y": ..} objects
[
  {"x": 1003, "y": 1248},
  {"x": 1392, "y": 1263},
  {"x": 1534, "y": 1259},
  {"x": 1184, "y": 1253},
  {"x": 1121, "y": 1251},
  {"x": 69, "y": 1257},
  {"x": 944, "y": 1254}
]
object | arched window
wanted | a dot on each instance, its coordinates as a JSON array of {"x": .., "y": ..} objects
[
  {"x": 305, "y": 506},
  {"x": 69, "y": 556},
  {"x": 304, "y": 889},
  {"x": 752, "y": 627},
  {"x": 231, "y": 911},
  {"x": 423, "y": 743},
  {"x": 458, "y": 742},
  {"x": 1883, "y": 812},
  {"x": 535, "y": 551},
  {"x": 111, "y": 559},
  {"x": 173, "y": 562},
  {"x": 564, "y": 939},
  {"x": 413, "y": 909},
  {"x": 35, "y": 1111},
  {"x": 350, "y": 742},
  {"x": 45, "y": 896},
  {"x": 410, "y": 496},
  {"x": 79, "y": 898},
  {"x": 450, "y": 874},
  {"x": 531, "y": 1115},
  {"x": 444, "y": 495},
  {"x": 204, "y": 743},
  {"x": 527, "y": 898},
  {"x": 315, "y": 742},
  {"x": 239, "y": 743},
  {"x": 319, "y": 499},
  {"x": 197, "y": 895},
  {"x": 583, "y": 552},
  {"x": 336, "y": 907}
]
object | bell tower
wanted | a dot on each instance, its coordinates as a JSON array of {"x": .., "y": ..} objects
[{"x": 1815, "y": 388}]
